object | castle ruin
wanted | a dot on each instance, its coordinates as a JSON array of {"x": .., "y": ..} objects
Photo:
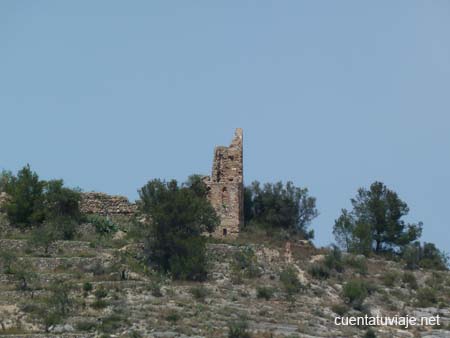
[
  {"x": 225, "y": 192},
  {"x": 226, "y": 186}
]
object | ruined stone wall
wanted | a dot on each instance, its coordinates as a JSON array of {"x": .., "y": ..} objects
[
  {"x": 103, "y": 204},
  {"x": 226, "y": 186}
]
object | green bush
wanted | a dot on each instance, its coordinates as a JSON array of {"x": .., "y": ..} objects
[
  {"x": 50, "y": 318},
  {"x": 426, "y": 297},
  {"x": 280, "y": 206},
  {"x": 24, "y": 274},
  {"x": 355, "y": 292},
  {"x": 179, "y": 216},
  {"x": 199, "y": 292},
  {"x": 155, "y": 286},
  {"x": 101, "y": 293},
  {"x": 264, "y": 292},
  {"x": 426, "y": 256},
  {"x": 319, "y": 271},
  {"x": 25, "y": 204},
  {"x": 189, "y": 262},
  {"x": 436, "y": 280},
  {"x": 173, "y": 316},
  {"x": 7, "y": 258},
  {"x": 390, "y": 278},
  {"x": 32, "y": 201},
  {"x": 291, "y": 283},
  {"x": 5, "y": 180},
  {"x": 59, "y": 299},
  {"x": 409, "y": 279},
  {"x": 370, "y": 333},
  {"x": 114, "y": 321},
  {"x": 340, "y": 309},
  {"x": 61, "y": 202},
  {"x": 103, "y": 225},
  {"x": 99, "y": 304},
  {"x": 238, "y": 330},
  {"x": 333, "y": 259},
  {"x": 61, "y": 228},
  {"x": 87, "y": 287},
  {"x": 358, "y": 263},
  {"x": 245, "y": 263}
]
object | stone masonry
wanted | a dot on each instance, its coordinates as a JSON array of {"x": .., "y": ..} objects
[
  {"x": 226, "y": 186},
  {"x": 103, "y": 204}
]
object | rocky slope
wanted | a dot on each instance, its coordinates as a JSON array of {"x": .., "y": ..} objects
[{"x": 110, "y": 294}]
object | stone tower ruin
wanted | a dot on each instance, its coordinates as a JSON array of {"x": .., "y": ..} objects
[{"x": 226, "y": 186}]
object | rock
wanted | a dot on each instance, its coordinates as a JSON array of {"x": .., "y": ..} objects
[
  {"x": 119, "y": 235},
  {"x": 317, "y": 258},
  {"x": 61, "y": 328},
  {"x": 436, "y": 334}
]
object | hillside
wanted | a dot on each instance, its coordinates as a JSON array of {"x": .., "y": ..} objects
[{"x": 102, "y": 289}]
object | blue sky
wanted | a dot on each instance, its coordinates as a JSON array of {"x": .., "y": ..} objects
[{"x": 332, "y": 95}]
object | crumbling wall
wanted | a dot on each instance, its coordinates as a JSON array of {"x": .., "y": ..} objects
[
  {"x": 103, "y": 204},
  {"x": 226, "y": 187}
]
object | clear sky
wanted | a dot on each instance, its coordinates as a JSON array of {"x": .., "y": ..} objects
[{"x": 331, "y": 95}]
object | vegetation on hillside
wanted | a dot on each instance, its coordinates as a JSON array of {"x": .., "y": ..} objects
[
  {"x": 32, "y": 201},
  {"x": 177, "y": 218},
  {"x": 280, "y": 206}
]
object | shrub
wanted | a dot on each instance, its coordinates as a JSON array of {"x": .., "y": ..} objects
[
  {"x": 173, "y": 316},
  {"x": 113, "y": 322},
  {"x": 155, "y": 285},
  {"x": 390, "y": 278},
  {"x": 43, "y": 237},
  {"x": 291, "y": 283},
  {"x": 61, "y": 202},
  {"x": 340, "y": 309},
  {"x": 409, "y": 279},
  {"x": 427, "y": 256},
  {"x": 87, "y": 325},
  {"x": 426, "y": 297},
  {"x": 99, "y": 304},
  {"x": 264, "y": 292},
  {"x": 245, "y": 263},
  {"x": 25, "y": 204},
  {"x": 5, "y": 179},
  {"x": 7, "y": 258},
  {"x": 319, "y": 271},
  {"x": 24, "y": 274},
  {"x": 333, "y": 259},
  {"x": 238, "y": 330},
  {"x": 101, "y": 293},
  {"x": 199, "y": 293},
  {"x": 435, "y": 281},
  {"x": 370, "y": 333},
  {"x": 189, "y": 261},
  {"x": 59, "y": 299},
  {"x": 355, "y": 292},
  {"x": 103, "y": 225},
  {"x": 358, "y": 263},
  {"x": 179, "y": 216},
  {"x": 280, "y": 206},
  {"x": 31, "y": 201},
  {"x": 51, "y": 318},
  {"x": 134, "y": 334},
  {"x": 87, "y": 287}
]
